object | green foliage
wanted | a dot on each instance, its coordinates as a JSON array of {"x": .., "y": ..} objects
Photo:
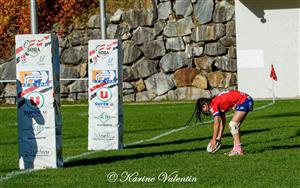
[{"x": 270, "y": 137}]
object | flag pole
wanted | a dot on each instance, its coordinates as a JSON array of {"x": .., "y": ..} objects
[
  {"x": 273, "y": 85},
  {"x": 273, "y": 76}
]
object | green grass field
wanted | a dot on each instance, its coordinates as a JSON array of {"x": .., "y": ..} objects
[{"x": 270, "y": 136}]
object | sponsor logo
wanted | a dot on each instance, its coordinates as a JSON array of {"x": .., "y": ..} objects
[
  {"x": 104, "y": 136},
  {"x": 104, "y": 104},
  {"x": 34, "y": 78},
  {"x": 104, "y": 117},
  {"x": 104, "y": 125},
  {"x": 32, "y": 48},
  {"x": 93, "y": 59},
  {"x": 37, "y": 129},
  {"x": 35, "y": 100},
  {"x": 110, "y": 61},
  {"x": 35, "y": 46},
  {"x": 34, "y": 113},
  {"x": 104, "y": 76},
  {"x": 42, "y": 58},
  {"x": 104, "y": 50},
  {"x": 104, "y": 94},
  {"x": 33, "y": 152},
  {"x": 21, "y": 58}
]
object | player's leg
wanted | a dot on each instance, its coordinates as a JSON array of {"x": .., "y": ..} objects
[
  {"x": 234, "y": 126},
  {"x": 243, "y": 119}
]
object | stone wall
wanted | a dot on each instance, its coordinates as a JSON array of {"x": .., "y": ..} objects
[{"x": 172, "y": 50}]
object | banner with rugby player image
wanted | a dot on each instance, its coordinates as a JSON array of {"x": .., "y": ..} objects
[
  {"x": 105, "y": 127},
  {"x": 38, "y": 97}
]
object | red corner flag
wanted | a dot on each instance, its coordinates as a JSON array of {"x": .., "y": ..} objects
[{"x": 273, "y": 73}]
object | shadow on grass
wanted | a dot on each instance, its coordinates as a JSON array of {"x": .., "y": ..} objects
[
  {"x": 281, "y": 115},
  {"x": 8, "y": 143},
  {"x": 8, "y": 170},
  {"x": 111, "y": 159},
  {"x": 271, "y": 148}
]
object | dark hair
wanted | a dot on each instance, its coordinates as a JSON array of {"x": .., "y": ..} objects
[
  {"x": 198, "y": 108},
  {"x": 198, "y": 113}
]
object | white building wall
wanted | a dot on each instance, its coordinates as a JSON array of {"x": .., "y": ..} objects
[
  {"x": 299, "y": 50},
  {"x": 262, "y": 43}
]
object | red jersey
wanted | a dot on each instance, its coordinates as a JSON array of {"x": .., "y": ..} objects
[{"x": 226, "y": 100}]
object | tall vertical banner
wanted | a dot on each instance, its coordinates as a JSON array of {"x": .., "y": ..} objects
[
  {"x": 38, "y": 92},
  {"x": 105, "y": 129}
]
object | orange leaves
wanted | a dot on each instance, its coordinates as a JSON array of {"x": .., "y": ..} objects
[
  {"x": 2, "y": 29},
  {"x": 15, "y": 17},
  {"x": 9, "y": 12}
]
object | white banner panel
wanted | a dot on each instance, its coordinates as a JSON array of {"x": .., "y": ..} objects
[
  {"x": 38, "y": 91},
  {"x": 105, "y": 95}
]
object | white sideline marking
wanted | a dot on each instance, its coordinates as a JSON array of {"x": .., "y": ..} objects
[
  {"x": 80, "y": 155},
  {"x": 264, "y": 106},
  {"x": 17, "y": 173}
]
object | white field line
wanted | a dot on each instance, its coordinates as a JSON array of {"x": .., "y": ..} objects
[
  {"x": 17, "y": 173},
  {"x": 264, "y": 106},
  {"x": 80, "y": 155},
  {"x": 127, "y": 104}
]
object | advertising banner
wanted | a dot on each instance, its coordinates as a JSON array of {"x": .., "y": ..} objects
[
  {"x": 38, "y": 97},
  {"x": 105, "y": 129}
]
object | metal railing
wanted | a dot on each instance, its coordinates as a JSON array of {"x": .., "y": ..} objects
[{"x": 63, "y": 94}]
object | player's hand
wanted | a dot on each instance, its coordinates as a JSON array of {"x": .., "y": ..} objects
[{"x": 213, "y": 144}]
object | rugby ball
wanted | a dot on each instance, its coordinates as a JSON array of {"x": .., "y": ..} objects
[{"x": 218, "y": 146}]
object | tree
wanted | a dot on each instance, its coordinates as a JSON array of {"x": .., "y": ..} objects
[{"x": 15, "y": 18}]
